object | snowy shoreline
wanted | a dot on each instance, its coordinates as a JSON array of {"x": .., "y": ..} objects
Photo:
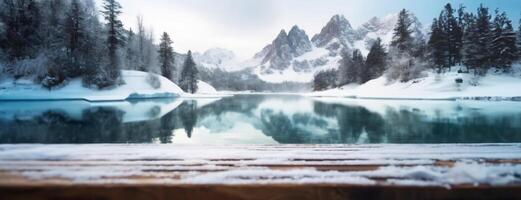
[
  {"x": 432, "y": 86},
  {"x": 137, "y": 87}
]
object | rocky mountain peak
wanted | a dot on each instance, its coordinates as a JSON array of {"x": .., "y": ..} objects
[
  {"x": 281, "y": 39},
  {"x": 284, "y": 48},
  {"x": 299, "y": 41},
  {"x": 339, "y": 28}
]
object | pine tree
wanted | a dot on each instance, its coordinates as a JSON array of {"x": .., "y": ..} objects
[
  {"x": 504, "y": 49},
  {"x": 459, "y": 35},
  {"x": 21, "y": 21},
  {"x": 453, "y": 36},
  {"x": 115, "y": 38},
  {"x": 166, "y": 56},
  {"x": 484, "y": 39},
  {"x": 94, "y": 72},
  {"x": 324, "y": 80},
  {"x": 376, "y": 61},
  {"x": 344, "y": 74},
  {"x": 438, "y": 47},
  {"x": 358, "y": 67},
  {"x": 76, "y": 40},
  {"x": 145, "y": 47},
  {"x": 519, "y": 39},
  {"x": 402, "y": 36},
  {"x": 470, "y": 43},
  {"x": 189, "y": 75},
  {"x": 53, "y": 24},
  {"x": 130, "y": 53},
  {"x": 54, "y": 41}
]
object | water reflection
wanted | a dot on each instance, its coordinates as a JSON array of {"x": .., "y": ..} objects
[{"x": 264, "y": 119}]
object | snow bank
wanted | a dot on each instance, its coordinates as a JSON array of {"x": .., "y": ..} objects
[
  {"x": 206, "y": 90},
  {"x": 136, "y": 87},
  {"x": 494, "y": 86}
]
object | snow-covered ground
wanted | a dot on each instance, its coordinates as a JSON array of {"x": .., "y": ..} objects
[
  {"x": 205, "y": 90},
  {"x": 494, "y": 86},
  {"x": 137, "y": 86}
]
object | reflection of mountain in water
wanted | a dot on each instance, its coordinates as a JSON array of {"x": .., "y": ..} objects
[
  {"x": 316, "y": 122},
  {"x": 285, "y": 119}
]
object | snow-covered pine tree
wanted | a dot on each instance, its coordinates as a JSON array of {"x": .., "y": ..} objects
[
  {"x": 438, "y": 47},
  {"x": 453, "y": 36},
  {"x": 52, "y": 25},
  {"x": 189, "y": 75},
  {"x": 504, "y": 50},
  {"x": 345, "y": 64},
  {"x": 145, "y": 47},
  {"x": 484, "y": 39},
  {"x": 403, "y": 50},
  {"x": 76, "y": 40},
  {"x": 470, "y": 43},
  {"x": 458, "y": 35},
  {"x": 402, "y": 36},
  {"x": 519, "y": 40},
  {"x": 115, "y": 37},
  {"x": 131, "y": 62},
  {"x": 94, "y": 72},
  {"x": 166, "y": 56},
  {"x": 376, "y": 61},
  {"x": 53, "y": 36},
  {"x": 358, "y": 67},
  {"x": 21, "y": 21},
  {"x": 324, "y": 80}
]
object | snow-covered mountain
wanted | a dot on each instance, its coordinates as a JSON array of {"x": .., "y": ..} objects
[
  {"x": 337, "y": 34},
  {"x": 278, "y": 54},
  {"x": 217, "y": 58},
  {"x": 293, "y": 57}
]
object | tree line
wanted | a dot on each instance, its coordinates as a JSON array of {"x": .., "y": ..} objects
[
  {"x": 53, "y": 41},
  {"x": 475, "y": 42}
]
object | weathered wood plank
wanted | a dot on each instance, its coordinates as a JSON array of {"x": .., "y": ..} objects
[{"x": 259, "y": 172}]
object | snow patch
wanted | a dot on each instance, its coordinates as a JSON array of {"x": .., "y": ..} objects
[
  {"x": 434, "y": 87},
  {"x": 136, "y": 86}
]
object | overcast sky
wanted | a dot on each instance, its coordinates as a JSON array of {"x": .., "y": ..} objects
[{"x": 246, "y": 26}]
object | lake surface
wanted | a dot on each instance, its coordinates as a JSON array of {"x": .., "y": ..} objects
[{"x": 260, "y": 119}]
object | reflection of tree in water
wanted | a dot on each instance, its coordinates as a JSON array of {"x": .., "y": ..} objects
[
  {"x": 188, "y": 114},
  {"x": 413, "y": 126},
  {"x": 97, "y": 125},
  {"x": 294, "y": 129},
  {"x": 168, "y": 124},
  {"x": 353, "y": 121},
  {"x": 280, "y": 127},
  {"x": 328, "y": 123}
]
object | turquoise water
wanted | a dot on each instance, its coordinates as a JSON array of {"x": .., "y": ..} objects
[{"x": 260, "y": 119}]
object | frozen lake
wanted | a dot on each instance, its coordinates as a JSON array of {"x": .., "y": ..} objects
[{"x": 260, "y": 119}]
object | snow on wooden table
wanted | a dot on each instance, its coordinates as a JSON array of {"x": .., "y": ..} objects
[
  {"x": 425, "y": 165},
  {"x": 150, "y": 171}
]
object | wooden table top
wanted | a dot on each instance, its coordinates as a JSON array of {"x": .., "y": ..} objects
[{"x": 149, "y": 171}]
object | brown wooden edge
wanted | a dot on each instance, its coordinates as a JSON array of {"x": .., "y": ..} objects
[{"x": 253, "y": 192}]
